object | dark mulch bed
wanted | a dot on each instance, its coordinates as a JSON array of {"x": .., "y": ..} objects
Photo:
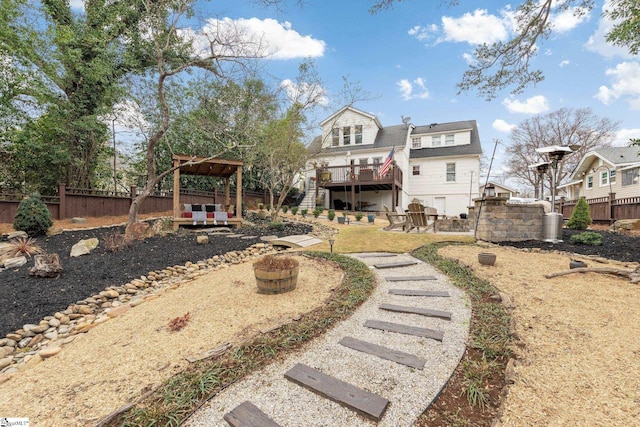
[
  {"x": 27, "y": 299},
  {"x": 616, "y": 246}
]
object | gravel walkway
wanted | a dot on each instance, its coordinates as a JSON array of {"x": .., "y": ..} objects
[{"x": 409, "y": 390}]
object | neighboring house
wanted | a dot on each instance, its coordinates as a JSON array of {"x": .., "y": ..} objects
[
  {"x": 438, "y": 164},
  {"x": 606, "y": 170},
  {"x": 495, "y": 189}
]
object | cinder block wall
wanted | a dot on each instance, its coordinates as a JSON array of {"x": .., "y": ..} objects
[{"x": 500, "y": 222}]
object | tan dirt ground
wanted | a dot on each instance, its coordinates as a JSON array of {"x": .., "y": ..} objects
[
  {"x": 579, "y": 354},
  {"x": 118, "y": 360}
]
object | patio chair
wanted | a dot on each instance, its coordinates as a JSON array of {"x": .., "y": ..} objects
[
  {"x": 418, "y": 217},
  {"x": 396, "y": 220}
]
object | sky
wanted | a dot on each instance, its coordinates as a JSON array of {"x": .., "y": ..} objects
[{"x": 409, "y": 59}]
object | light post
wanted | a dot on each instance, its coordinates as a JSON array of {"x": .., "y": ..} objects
[
  {"x": 552, "y": 224},
  {"x": 113, "y": 135},
  {"x": 541, "y": 169},
  {"x": 331, "y": 242}
]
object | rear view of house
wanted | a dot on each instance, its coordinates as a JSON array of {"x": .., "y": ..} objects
[{"x": 362, "y": 165}]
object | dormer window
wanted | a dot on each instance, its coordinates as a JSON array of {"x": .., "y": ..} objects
[
  {"x": 346, "y": 135},
  {"x": 436, "y": 141},
  {"x": 416, "y": 142},
  {"x": 449, "y": 139},
  {"x": 358, "y": 134}
]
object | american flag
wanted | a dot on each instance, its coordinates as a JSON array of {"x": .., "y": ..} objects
[{"x": 387, "y": 163}]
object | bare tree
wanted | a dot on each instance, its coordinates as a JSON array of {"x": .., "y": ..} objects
[
  {"x": 506, "y": 63},
  {"x": 175, "y": 52},
  {"x": 562, "y": 127}
]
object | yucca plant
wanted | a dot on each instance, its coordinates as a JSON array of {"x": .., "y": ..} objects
[{"x": 22, "y": 246}]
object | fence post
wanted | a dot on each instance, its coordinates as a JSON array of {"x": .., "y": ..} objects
[
  {"x": 62, "y": 208},
  {"x": 610, "y": 200}
]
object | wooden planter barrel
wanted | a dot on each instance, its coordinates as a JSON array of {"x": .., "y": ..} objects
[{"x": 276, "y": 282}]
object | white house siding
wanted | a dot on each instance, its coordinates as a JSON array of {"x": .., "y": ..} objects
[
  {"x": 350, "y": 118},
  {"x": 432, "y": 183}
]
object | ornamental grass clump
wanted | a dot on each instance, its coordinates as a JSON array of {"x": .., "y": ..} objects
[
  {"x": 275, "y": 263},
  {"x": 22, "y": 247}
]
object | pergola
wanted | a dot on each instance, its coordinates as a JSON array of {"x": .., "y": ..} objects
[{"x": 201, "y": 166}]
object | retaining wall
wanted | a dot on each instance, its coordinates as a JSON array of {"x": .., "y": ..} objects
[{"x": 500, "y": 222}]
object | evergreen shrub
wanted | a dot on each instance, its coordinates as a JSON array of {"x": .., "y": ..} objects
[
  {"x": 581, "y": 217},
  {"x": 32, "y": 216}
]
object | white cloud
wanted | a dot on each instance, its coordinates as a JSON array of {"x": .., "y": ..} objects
[
  {"x": 423, "y": 33},
  {"x": 502, "y": 126},
  {"x": 477, "y": 28},
  {"x": 305, "y": 92},
  {"x": 406, "y": 89},
  {"x": 569, "y": 19},
  {"x": 626, "y": 84},
  {"x": 597, "y": 42},
  {"x": 534, "y": 105},
  {"x": 624, "y": 135},
  {"x": 564, "y": 63},
  {"x": 255, "y": 37}
]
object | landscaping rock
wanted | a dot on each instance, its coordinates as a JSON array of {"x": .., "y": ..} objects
[
  {"x": 84, "y": 247},
  {"x": 78, "y": 220},
  {"x": 202, "y": 240},
  {"x": 15, "y": 262},
  {"x": 139, "y": 230}
]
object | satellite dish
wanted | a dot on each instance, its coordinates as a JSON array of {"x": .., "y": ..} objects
[{"x": 405, "y": 120}]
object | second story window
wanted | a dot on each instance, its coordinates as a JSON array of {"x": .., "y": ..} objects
[
  {"x": 451, "y": 172},
  {"x": 358, "y": 134},
  {"x": 590, "y": 181},
  {"x": 416, "y": 170},
  {"x": 335, "y": 137},
  {"x": 346, "y": 135},
  {"x": 604, "y": 178},
  {"x": 629, "y": 177},
  {"x": 377, "y": 160},
  {"x": 436, "y": 141},
  {"x": 416, "y": 142},
  {"x": 449, "y": 139}
]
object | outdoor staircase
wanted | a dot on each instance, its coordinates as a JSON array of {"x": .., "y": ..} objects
[{"x": 309, "y": 201}]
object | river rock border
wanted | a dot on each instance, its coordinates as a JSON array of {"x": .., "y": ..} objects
[{"x": 33, "y": 343}]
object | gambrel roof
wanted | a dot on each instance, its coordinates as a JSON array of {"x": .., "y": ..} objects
[{"x": 451, "y": 150}]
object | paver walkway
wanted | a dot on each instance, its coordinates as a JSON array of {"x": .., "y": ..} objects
[{"x": 358, "y": 375}]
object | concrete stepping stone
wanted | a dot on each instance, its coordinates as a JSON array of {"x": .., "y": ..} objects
[
  {"x": 365, "y": 403},
  {"x": 383, "y": 352},
  {"x": 234, "y": 236},
  {"x": 247, "y": 414},
  {"x": 395, "y": 264},
  {"x": 268, "y": 238},
  {"x": 405, "y": 329},
  {"x": 378, "y": 255},
  {"x": 418, "y": 293},
  {"x": 249, "y": 237},
  {"x": 409, "y": 278},
  {"x": 416, "y": 310}
]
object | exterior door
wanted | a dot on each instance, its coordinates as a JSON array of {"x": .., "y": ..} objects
[{"x": 440, "y": 203}]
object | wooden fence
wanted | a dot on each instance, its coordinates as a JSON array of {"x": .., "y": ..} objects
[
  {"x": 77, "y": 202},
  {"x": 605, "y": 209}
]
